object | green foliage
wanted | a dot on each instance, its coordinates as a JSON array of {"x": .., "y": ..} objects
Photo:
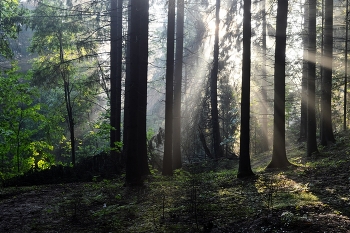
[
  {"x": 181, "y": 174},
  {"x": 96, "y": 138},
  {"x": 53, "y": 29},
  {"x": 67, "y": 67},
  {"x": 150, "y": 134},
  {"x": 23, "y": 146},
  {"x": 11, "y": 18},
  {"x": 41, "y": 156}
]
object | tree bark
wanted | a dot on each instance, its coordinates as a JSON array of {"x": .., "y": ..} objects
[
  {"x": 115, "y": 75},
  {"x": 279, "y": 157},
  {"x": 244, "y": 169},
  {"x": 311, "y": 116},
  {"x": 346, "y": 66},
  {"x": 168, "y": 144},
  {"x": 326, "y": 129},
  {"x": 304, "y": 79},
  {"x": 133, "y": 173},
  {"x": 213, "y": 88},
  {"x": 136, "y": 147},
  {"x": 143, "y": 68},
  {"x": 69, "y": 108},
  {"x": 265, "y": 141},
  {"x": 178, "y": 85}
]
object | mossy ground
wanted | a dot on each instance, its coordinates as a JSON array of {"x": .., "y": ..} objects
[{"x": 204, "y": 197}]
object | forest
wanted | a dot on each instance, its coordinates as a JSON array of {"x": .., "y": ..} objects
[{"x": 174, "y": 116}]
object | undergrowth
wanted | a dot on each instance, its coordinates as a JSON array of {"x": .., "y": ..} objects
[{"x": 201, "y": 197}]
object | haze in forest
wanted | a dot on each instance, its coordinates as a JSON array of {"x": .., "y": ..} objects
[{"x": 78, "y": 82}]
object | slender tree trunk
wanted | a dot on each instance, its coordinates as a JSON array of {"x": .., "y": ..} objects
[
  {"x": 326, "y": 129},
  {"x": 311, "y": 116},
  {"x": 67, "y": 98},
  {"x": 69, "y": 108},
  {"x": 178, "y": 84},
  {"x": 322, "y": 59},
  {"x": 265, "y": 141},
  {"x": 213, "y": 88},
  {"x": 168, "y": 143},
  {"x": 115, "y": 75},
  {"x": 346, "y": 65},
  {"x": 279, "y": 157},
  {"x": 303, "y": 108},
  {"x": 244, "y": 169}
]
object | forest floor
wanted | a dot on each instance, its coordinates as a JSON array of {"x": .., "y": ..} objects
[{"x": 314, "y": 196}]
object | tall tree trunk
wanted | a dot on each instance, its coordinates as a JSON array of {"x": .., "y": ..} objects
[
  {"x": 326, "y": 129},
  {"x": 346, "y": 65},
  {"x": 168, "y": 143},
  {"x": 304, "y": 79},
  {"x": 279, "y": 157},
  {"x": 213, "y": 88},
  {"x": 143, "y": 68},
  {"x": 244, "y": 169},
  {"x": 177, "y": 163},
  {"x": 322, "y": 60},
  {"x": 265, "y": 141},
  {"x": 136, "y": 148},
  {"x": 115, "y": 75},
  {"x": 311, "y": 116}
]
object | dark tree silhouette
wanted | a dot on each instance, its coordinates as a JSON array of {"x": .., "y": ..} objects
[
  {"x": 115, "y": 74},
  {"x": 142, "y": 91},
  {"x": 311, "y": 117},
  {"x": 279, "y": 157},
  {"x": 326, "y": 129},
  {"x": 244, "y": 169},
  {"x": 168, "y": 142},
  {"x": 135, "y": 144},
  {"x": 213, "y": 88},
  {"x": 177, "y": 161}
]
